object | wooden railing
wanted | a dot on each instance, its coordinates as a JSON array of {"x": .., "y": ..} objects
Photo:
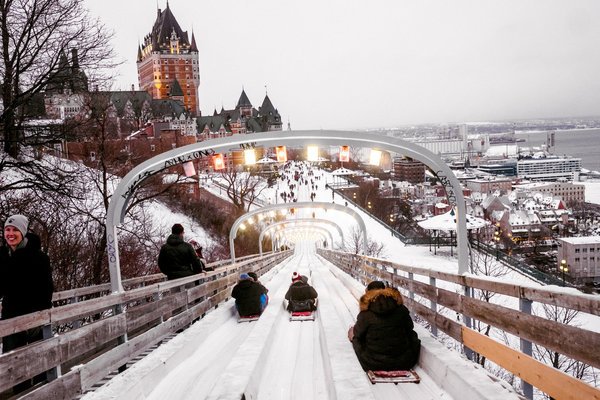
[
  {"x": 87, "y": 338},
  {"x": 428, "y": 292}
]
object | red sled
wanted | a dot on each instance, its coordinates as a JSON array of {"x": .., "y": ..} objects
[
  {"x": 302, "y": 316},
  {"x": 248, "y": 318},
  {"x": 399, "y": 376}
]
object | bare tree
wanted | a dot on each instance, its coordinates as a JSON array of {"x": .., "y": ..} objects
[
  {"x": 243, "y": 188},
  {"x": 485, "y": 264},
  {"x": 573, "y": 367},
  {"x": 354, "y": 243},
  {"x": 34, "y": 37}
]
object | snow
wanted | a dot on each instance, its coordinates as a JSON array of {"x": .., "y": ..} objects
[{"x": 592, "y": 191}]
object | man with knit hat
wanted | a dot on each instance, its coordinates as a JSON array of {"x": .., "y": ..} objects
[
  {"x": 25, "y": 281},
  {"x": 301, "y": 296},
  {"x": 177, "y": 258},
  {"x": 250, "y": 296}
]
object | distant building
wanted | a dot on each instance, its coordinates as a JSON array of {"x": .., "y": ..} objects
[
  {"x": 549, "y": 169},
  {"x": 505, "y": 168},
  {"x": 582, "y": 257},
  {"x": 409, "y": 170},
  {"x": 490, "y": 185},
  {"x": 567, "y": 191},
  {"x": 167, "y": 62}
]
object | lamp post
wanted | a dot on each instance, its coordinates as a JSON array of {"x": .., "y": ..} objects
[
  {"x": 563, "y": 269},
  {"x": 497, "y": 240}
]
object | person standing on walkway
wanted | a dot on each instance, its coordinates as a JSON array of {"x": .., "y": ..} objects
[
  {"x": 25, "y": 284},
  {"x": 177, "y": 258}
]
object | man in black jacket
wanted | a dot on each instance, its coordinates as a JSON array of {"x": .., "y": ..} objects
[
  {"x": 177, "y": 258},
  {"x": 383, "y": 337},
  {"x": 301, "y": 296},
  {"x": 250, "y": 296},
  {"x": 25, "y": 284}
]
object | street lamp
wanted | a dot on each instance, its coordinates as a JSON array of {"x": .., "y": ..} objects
[
  {"x": 563, "y": 268},
  {"x": 497, "y": 240}
]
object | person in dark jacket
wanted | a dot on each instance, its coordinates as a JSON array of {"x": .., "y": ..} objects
[
  {"x": 25, "y": 284},
  {"x": 177, "y": 258},
  {"x": 301, "y": 296},
  {"x": 250, "y": 296},
  {"x": 383, "y": 336}
]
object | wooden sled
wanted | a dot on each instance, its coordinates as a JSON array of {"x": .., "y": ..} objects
[
  {"x": 248, "y": 318},
  {"x": 396, "y": 377},
  {"x": 302, "y": 316}
]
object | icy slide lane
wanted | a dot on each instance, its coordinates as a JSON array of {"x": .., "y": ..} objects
[{"x": 272, "y": 358}]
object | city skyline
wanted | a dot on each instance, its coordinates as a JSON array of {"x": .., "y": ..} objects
[{"x": 353, "y": 65}]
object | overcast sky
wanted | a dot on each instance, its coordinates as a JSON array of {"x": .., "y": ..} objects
[{"x": 348, "y": 64}]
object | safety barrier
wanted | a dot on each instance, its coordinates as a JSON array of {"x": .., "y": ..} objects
[
  {"x": 428, "y": 291},
  {"x": 87, "y": 339}
]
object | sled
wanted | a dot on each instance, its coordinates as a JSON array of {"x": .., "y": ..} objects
[
  {"x": 248, "y": 318},
  {"x": 302, "y": 316},
  {"x": 399, "y": 376}
]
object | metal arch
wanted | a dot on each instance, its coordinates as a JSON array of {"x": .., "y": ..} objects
[
  {"x": 304, "y": 204},
  {"x": 295, "y": 222},
  {"x": 124, "y": 191},
  {"x": 321, "y": 231}
]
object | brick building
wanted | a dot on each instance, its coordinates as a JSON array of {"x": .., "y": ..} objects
[{"x": 167, "y": 62}]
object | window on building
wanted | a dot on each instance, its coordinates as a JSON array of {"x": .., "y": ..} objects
[
  {"x": 576, "y": 259},
  {"x": 577, "y": 251}
]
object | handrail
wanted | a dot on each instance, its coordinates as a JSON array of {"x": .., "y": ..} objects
[
  {"x": 91, "y": 338},
  {"x": 424, "y": 299}
]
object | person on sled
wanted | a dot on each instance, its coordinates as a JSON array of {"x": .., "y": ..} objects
[
  {"x": 301, "y": 296},
  {"x": 383, "y": 336},
  {"x": 250, "y": 296}
]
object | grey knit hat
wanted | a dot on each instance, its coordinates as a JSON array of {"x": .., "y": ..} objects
[{"x": 18, "y": 221}]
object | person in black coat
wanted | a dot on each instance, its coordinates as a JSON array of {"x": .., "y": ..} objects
[
  {"x": 301, "y": 296},
  {"x": 177, "y": 258},
  {"x": 25, "y": 284},
  {"x": 250, "y": 296},
  {"x": 383, "y": 336}
]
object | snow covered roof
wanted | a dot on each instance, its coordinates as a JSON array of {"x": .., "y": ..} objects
[
  {"x": 582, "y": 240},
  {"x": 447, "y": 222}
]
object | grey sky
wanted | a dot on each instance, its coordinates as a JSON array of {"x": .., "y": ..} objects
[{"x": 348, "y": 64}]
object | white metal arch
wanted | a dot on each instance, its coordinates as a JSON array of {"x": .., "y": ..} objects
[
  {"x": 126, "y": 188},
  {"x": 298, "y": 222},
  {"x": 303, "y": 204},
  {"x": 326, "y": 234}
]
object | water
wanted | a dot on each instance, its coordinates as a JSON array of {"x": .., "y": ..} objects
[{"x": 580, "y": 143}]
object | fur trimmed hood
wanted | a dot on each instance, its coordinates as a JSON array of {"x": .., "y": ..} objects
[{"x": 380, "y": 301}]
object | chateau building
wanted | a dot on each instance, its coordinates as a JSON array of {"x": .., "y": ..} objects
[
  {"x": 244, "y": 118},
  {"x": 167, "y": 62}
]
